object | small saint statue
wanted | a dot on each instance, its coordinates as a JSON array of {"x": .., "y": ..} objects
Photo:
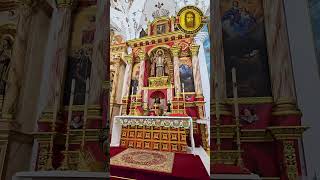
[
  {"x": 159, "y": 63},
  {"x": 169, "y": 106}
]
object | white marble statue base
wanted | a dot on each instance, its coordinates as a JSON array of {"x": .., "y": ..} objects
[
  {"x": 60, "y": 175},
  {"x": 234, "y": 177}
]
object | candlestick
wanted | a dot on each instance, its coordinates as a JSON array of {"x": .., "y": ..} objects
[
  {"x": 53, "y": 125},
  {"x": 184, "y": 101},
  {"x": 236, "y": 110},
  {"x": 217, "y": 112},
  {"x": 65, "y": 163}
]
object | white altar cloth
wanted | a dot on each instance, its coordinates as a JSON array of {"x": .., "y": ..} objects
[{"x": 166, "y": 121}]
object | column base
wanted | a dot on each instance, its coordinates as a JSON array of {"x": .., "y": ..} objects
[
  {"x": 15, "y": 151},
  {"x": 285, "y": 107},
  {"x": 286, "y": 113}
]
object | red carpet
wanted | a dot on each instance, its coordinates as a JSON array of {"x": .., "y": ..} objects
[{"x": 185, "y": 167}]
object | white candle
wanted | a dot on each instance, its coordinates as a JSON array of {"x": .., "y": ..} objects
[
  {"x": 234, "y": 78},
  {"x": 235, "y": 92}
]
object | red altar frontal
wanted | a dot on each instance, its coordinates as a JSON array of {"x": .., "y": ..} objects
[{"x": 162, "y": 133}]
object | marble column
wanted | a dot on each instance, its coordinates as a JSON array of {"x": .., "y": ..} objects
[
  {"x": 218, "y": 73},
  {"x": 18, "y": 61},
  {"x": 205, "y": 125},
  {"x": 127, "y": 77},
  {"x": 200, "y": 38},
  {"x": 217, "y": 53},
  {"x": 114, "y": 89},
  {"x": 98, "y": 58},
  {"x": 57, "y": 49},
  {"x": 196, "y": 70},
  {"x": 176, "y": 64},
  {"x": 115, "y": 81},
  {"x": 281, "y": 73},
  {"x": 126, "y": 84},
  {"x": 142, "y": 56}
]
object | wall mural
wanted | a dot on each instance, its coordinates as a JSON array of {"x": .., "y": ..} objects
[
  {"x": 78, "y": 68},
  {"x": 314, "y": 7},
  {"x": 186, "y": 75},
  {"x": 244, "y": 46},
  {"x": 80, "y": 56}
]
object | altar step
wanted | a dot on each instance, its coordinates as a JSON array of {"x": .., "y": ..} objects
[
  {"x": 235, "y": 177},
  {"x": 58, "y": 175},
  {"x": 185, "y": 166}
]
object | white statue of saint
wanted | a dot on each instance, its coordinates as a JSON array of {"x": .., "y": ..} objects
[{"x": 159, "y": 59}]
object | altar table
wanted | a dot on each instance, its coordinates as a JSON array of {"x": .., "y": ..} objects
[{"x": 143, "y": 128}]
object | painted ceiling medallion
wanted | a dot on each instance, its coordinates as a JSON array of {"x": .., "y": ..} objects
[{"x": 190, "y": 19}]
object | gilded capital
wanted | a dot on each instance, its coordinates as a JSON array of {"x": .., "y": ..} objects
[
  {"x": 128, "y": 58},
  {"x": 65, "y": 3},
  {"x": 194, "y": 49},
  {"x": 30, "y": 3},
  {"x": 106, "y": 85},
  {"x": 142, "y": 55},
  {"x": 26, "y": 2},
  {"x": 175, "y": 50}
]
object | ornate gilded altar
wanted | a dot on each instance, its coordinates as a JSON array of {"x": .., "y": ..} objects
[
  {"x": 154, "y": 78},
  {"x": 153, "y": 132}
]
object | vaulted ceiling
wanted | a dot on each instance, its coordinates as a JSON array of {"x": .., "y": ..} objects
[{"x": 128, "y": 17}]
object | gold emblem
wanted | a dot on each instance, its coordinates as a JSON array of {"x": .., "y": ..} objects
[{"x": 190, "y": 19}]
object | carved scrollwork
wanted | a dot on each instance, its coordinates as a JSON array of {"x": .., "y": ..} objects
[{"x": 158, "y": 81}]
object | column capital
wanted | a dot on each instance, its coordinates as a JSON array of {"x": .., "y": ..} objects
[
  {"x": 142, "y": 55},
  {"x": 285, "y": 107},
  {"x": 106, "y": 85},
  {"x": 65, "y": 3},
  {"x": 175, "y": 50},
  {"x": 194, "y": 48},
  {"x": 32, "y": 4},
  {"x": 128, "y": 58}
]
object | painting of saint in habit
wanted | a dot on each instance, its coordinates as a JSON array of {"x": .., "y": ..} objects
[
  {"x": 79, "y": 68},
  {"x": 5, "y": 57},
  {"x": 244, "y": 44},
  {"x": 135, "y": 79},
  {"x": 161, "y": 29},
  {"x": 190, "y": 19},
  {"x": 186, "y": 77}
]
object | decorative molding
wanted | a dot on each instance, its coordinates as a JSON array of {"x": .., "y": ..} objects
[
  {"x": 290, "y": 159},
  {"x": 142, "y": 56},
  {"x": 175, "y": 51},
  {"x": 128, "y": 58},
  {"x": 7, "y": 5},
  {"x": 287, "y": 132},
  {"x": 251, "y": 100},
  {"x": 194, "y": 48},
  {"x": 285, "y": 107},
  {"x": 148, "y": 40},
  {"x": 65, "y": 3}
]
